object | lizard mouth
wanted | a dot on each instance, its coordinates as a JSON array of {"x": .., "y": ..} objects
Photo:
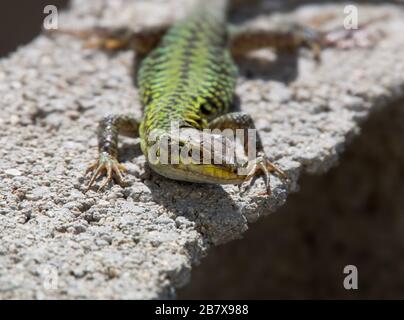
[{"x": 198, "y": 173}]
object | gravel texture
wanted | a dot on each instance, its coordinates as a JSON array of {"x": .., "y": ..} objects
[{"x": 140, "y": 242}]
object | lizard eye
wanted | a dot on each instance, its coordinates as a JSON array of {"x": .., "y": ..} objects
[{"x": 206, "y": 109}]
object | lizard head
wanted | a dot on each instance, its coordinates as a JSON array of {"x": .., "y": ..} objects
[{"x": 196, "y": 156}]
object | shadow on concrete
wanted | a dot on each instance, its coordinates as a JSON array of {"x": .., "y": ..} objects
[{"x": 351, "y": 215}]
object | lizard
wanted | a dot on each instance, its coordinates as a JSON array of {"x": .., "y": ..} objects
[{"x": 187, "y": 75}]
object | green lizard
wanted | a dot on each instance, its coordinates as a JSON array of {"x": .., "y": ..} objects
[{"x": 188, "y": 77}]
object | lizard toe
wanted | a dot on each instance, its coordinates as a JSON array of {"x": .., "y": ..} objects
[{"x": 106, "y": 164}]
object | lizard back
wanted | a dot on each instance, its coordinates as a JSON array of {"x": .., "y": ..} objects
[{"x": 190, "y": 77}]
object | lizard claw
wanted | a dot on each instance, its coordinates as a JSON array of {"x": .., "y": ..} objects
[{"x": 105, "y": 164}]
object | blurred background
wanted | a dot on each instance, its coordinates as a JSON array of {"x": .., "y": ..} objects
[{"x": 352, "y": 215}]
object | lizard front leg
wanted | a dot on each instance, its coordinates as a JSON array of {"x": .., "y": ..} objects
[
  {"x": 142, "y": 41},
  {"x": 241, "y": 120},
  {"x": 109, "y": 128}
]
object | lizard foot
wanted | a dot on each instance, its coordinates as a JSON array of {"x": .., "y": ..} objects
[
  {"x": 262, "y": 164},
  {"x": 105, "y": 164}
]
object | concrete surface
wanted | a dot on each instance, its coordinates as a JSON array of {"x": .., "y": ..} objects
[{"x": 141, "y": 241}]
